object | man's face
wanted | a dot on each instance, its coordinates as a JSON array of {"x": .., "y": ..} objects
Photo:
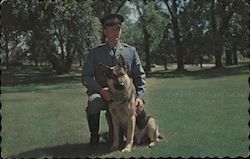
[{"x": 112, "y": 33}]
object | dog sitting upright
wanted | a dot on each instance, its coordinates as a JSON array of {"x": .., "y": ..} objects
[
  {"x": 123, "y": 108},
  {"x": 146, "y": 131}
]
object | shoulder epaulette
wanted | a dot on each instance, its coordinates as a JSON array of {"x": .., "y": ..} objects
[
  {"x": 101, "y": 45},
  {"x": 125, "y": 45}
]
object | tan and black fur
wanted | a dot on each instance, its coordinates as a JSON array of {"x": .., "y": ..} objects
[
  {"x": 147, "y": 130},
  {"x": 123, "y": 108}
]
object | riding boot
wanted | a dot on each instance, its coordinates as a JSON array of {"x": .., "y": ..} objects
[
  {"x": 110, "y": 125},
  {"x": 93, "y": 122}
]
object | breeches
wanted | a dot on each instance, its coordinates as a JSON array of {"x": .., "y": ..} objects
[{"x": 96, "y": 103}]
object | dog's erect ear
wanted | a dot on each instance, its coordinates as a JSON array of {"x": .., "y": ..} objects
[{"x": 121, "y": 62}]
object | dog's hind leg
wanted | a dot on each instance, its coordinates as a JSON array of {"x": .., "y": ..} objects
[
  {"x": 152, "y": 130},
  {"x": 152, "y": 138}
]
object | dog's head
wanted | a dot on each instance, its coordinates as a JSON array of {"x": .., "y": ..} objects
[{"x": 117, "y": 77}]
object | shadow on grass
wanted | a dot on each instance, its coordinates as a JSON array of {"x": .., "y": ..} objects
[
  {"x": 19, "y": 76},
  {"x": 202, "y": 74},
  {"x": 35, "y": 75},
  {"x": 41, "y": 87},
  {"x": 67, "y": 150},
  {"x": 10, "y": 79}
]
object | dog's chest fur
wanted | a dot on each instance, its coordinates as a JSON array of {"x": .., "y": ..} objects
[{"x": 123, "y": 105}]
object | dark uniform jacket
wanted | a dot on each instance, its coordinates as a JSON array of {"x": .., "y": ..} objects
[{"x": 93, "y": 77}]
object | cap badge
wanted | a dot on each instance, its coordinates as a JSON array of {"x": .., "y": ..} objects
[{"x": 116, "y": 20}]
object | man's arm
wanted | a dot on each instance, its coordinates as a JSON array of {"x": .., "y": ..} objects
[
  {"x": 139, "y": 76},
  {"x": 88, "y": 72}
]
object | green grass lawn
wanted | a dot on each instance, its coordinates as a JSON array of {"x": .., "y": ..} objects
[{"x": 200, "y": 114}]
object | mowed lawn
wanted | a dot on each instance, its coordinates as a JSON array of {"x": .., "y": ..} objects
[{"x": 200, "y": 114}]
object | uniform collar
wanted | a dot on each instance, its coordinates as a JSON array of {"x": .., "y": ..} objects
[{"x": 118, "y": 51}]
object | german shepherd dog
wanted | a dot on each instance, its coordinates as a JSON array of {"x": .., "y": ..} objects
[{"x": 124, "y": 111}]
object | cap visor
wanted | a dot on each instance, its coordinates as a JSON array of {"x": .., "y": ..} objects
[{"x": 112, "y": 24}]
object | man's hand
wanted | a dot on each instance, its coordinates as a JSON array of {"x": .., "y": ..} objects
[
  {"x": 105, "y": 92},
  {"x": 139, "y": 106},
  {"x": 139, "y": 102}
]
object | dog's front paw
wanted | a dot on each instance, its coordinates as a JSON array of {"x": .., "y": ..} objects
[
  {"x": 127, "y": 148},
  {"x": 152, "y": 144},
  {"x": 114, "y": 147}
]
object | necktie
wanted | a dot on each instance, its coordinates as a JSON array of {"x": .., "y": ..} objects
[{"x": 114, "y": 61}]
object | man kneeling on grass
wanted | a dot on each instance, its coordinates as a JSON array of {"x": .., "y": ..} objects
[{"x": 94, "y": 79}]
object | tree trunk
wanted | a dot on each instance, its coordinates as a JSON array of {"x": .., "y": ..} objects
[
  {"x": 54, "y": 58},
  {"x": 177, "y": 38},
  {"x": 165, "y": 60},
  {"x": 7, "y": 50},
  {"x": 147, "y": 49},
  {"x": 80, "y": 61},
  {"x": 235, "y": 57},
  {"x": 201, "y": 61},
  {"x": 69, "y": 58},
  {"x": 146, "y": 42},
  {"x": 217, "y": 49},
  {"x": 57, "y": 65},
  {"x": 36, "y": 61},
  {"x": 229, "y": 57},
  {"x": 218, "y": 63},
  {"x": 178, "y": 46},
  {"x": 218, "y": 34},
  {"x": 62, "y": 50},
  {"x": 70, "y": 48}
]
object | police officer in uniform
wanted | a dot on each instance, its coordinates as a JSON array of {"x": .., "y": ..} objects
[{"x": 93, "y": 77}]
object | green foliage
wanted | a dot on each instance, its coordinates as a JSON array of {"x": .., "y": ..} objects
[
  {"x": 146, "y": 32},
  {"x": 75, "y": 24},
  {"x": 194, "y": 20},
  {"x": 62, "y": 32},
  {"x": 238, "y": 25},
  {"x": 131, "y": 31},
  {"x": 68, "y": 27}
]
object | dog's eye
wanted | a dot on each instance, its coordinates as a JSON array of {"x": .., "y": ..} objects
[{"x": 121, "y": 74}]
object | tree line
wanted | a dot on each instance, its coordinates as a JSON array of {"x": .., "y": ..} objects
[{"x": 61, "y": 32}]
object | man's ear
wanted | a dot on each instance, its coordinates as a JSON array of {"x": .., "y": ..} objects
[{"x": 121, "y": 62}]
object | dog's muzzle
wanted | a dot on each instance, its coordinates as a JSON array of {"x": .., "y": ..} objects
[{"x": 120, "y": 86}]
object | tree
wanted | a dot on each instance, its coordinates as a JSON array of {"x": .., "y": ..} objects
[
  {"x": 235, "y": 36},
  {"x": 58, "y": 30},
  {"x": 75, "y": 30},
  {"x": 144, "y": 19},
  {"x": 166, "y": 48},
  {"x": 9, "y": 23},
  {"x": 172, "y": 9},
  {"x": 194, "y": 31},
  {"x": 150, "y": 23},
  {"x": 221, "y": 13}
]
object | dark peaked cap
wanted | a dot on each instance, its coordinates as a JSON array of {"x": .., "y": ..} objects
[{"x": 112, "y": 20}]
